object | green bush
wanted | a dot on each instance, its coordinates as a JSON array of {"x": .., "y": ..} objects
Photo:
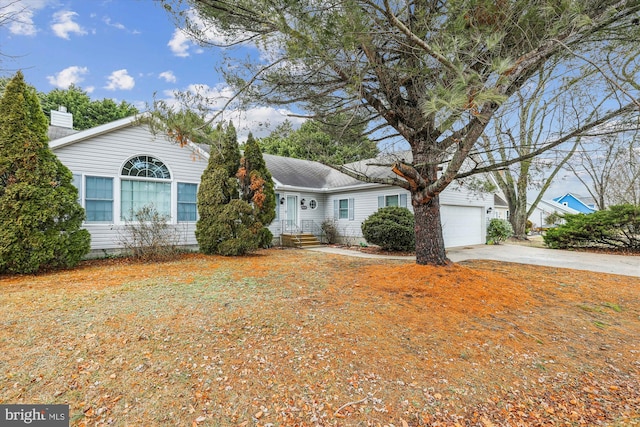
[
  {"x": 227, "y": 224},
  {"x": 498, "y": 231},
  {"x": 392, "y": 228},
  {"x": 615, "y": 228},
  {"x": 40, "y": 217},
  {"x": 265, "y": 238}
]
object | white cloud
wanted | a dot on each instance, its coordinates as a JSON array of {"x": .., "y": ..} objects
[
  {"x": 107, "y": 20},
  {"x": 179, "y": 43},
  {"x": 120, "y": 79},
  {"x": 260, "y": 121},
  {"x": 64, "y": 25},
  {"x": 18, "y": 15},
  {"x": 168, "y": 76},
  {"x": 117, "y": 25},
  {"x": 68, "y": 76}
]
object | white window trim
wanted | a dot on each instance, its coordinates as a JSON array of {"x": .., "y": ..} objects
[
  {"x": 82, "y": 195},
  {"x": 173, "y": 197},
  {"x": 350, "y": 209},
  {"x": 403, "y": 200},
  {"x": 175, "y": 215}
]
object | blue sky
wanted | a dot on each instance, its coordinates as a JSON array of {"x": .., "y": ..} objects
[{"x": 120, "y": 49}]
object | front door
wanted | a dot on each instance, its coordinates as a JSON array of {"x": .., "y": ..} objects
[{"x": 292, "y": 212}]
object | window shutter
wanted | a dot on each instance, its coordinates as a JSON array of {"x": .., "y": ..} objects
[
  {"x": 380, "y": 202},
  {"x": 77, "y": 182},
  {"x": 352, "y": 202},
  {"x": 403, "y": 200},
  {"x": 335, "y": 210}
]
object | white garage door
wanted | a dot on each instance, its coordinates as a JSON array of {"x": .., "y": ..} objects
[{"x": 462, "y": 225}]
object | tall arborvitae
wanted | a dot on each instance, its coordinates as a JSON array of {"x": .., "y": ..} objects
[
  {"x": 40, "y": 217},
  {"x": 226, "y": 224},
  {"x": 256, "y": 187}
]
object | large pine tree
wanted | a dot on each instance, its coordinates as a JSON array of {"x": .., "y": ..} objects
[
  {"x": 227, "y": 224},
  {"x": 40, "y": 217},
  {"x": 257, "y": 188}
]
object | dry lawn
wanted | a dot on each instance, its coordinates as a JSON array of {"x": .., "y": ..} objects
[{"x": 290, "y": 337}]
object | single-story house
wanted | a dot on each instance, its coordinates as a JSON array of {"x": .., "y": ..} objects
[
  {"x": 121, "y": 166},
  {"x": 540, "y": 215},
  {"x": 581, "y": 204}
]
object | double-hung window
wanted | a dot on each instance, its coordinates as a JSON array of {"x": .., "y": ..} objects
[
  {"x": 98, "y": 199},
  {"x": 344, "y": 209},
  {"x": 392, "y": 200},
  {"x": 187, "y": 202}
]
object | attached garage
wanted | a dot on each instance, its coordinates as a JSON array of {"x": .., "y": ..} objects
[{"x": 462, "y": 225}]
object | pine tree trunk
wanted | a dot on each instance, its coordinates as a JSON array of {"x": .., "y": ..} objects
[{"x": 429, "y": 240}]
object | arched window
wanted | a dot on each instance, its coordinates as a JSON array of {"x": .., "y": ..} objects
[
  {"x": 147, "y": 167},
  {"x": 146, "y": 182}
]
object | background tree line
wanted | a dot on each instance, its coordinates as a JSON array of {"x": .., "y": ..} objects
[{"x": 87, "y": 112}]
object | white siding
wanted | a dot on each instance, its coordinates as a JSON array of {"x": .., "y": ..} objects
[
  {"x": 104, "y": 155},
  {"x": 366, "y": 203},
  {"x": 110, "y": 236},
  {"x": 316, "y": 215}
]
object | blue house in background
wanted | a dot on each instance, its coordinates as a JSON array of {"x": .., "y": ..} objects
[{"x": 577, "y": 203}]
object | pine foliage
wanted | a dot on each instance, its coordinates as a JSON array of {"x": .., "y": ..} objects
[
  {"x": 40, "y": 217},
  {"x": 257, "y": 188},
  {"x": 227, "y": 224}
]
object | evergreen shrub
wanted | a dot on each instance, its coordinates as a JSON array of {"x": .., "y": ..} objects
[
  {"x": 392, "y": 228},
  {"x": 617, "y": 227},
  {"x": 40, "y": 217}
]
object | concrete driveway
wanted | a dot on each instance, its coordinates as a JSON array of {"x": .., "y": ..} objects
[{"x": 614, "y": 264}]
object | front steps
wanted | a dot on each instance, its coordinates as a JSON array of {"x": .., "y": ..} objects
[{"x": 303, "y": 240}]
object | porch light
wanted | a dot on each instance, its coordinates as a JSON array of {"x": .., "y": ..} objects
[
  {"x": 489, "y": 210},
  {"x": 282, "y": 201},
  {"x": 302, "y": 202}
]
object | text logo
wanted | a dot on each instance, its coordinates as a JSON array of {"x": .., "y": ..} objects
[{"x": 34, "y": 415}]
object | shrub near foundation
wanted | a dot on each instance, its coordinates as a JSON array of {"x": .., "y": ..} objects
[
  {"x": 498, "y": 231},
  {"x": 392, "y": 228}
]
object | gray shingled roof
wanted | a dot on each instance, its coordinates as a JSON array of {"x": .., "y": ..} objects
[
  {"x": 380, "y": 166},
  {"x": 56, "y": 132},
  {"x": 305, "y": 173}
]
